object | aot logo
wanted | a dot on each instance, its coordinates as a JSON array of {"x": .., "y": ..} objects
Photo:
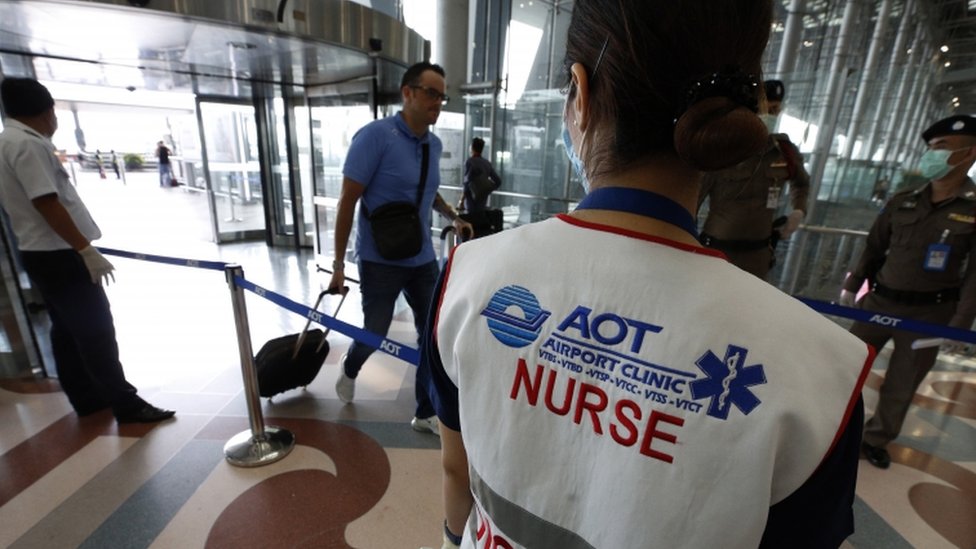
[
  {"x": 885, "y": 320},
  {"x": 514, "y": 316}
]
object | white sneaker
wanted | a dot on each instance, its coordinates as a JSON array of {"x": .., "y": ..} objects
[
  {"x": 426, "y": 425},
  {"x": 345, "y": 385}
]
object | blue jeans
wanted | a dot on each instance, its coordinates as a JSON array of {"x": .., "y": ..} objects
[
  {"x": 165, "y": 174},
  {"x": 381, "y": 285}
]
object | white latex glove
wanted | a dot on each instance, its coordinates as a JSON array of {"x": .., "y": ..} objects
[
  {"x": 792, "y": 223},
  {"x": 846, "y": 298},
  {"x": 99, "y": 267}
]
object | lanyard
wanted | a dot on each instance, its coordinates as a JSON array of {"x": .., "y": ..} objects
[{"x": 640, "y": 202}]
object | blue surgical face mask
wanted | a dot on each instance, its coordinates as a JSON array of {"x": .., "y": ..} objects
[
  {"x": 934, "y": 164},
  {"x": 575, "y": 160}
]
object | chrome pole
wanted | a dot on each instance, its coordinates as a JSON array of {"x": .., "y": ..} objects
[{"x": 260, "y": 445}]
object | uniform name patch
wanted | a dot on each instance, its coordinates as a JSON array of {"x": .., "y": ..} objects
[{"x": 962, "y": 217}]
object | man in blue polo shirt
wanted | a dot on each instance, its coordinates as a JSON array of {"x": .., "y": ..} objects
[{"x": 386, "y": 164}]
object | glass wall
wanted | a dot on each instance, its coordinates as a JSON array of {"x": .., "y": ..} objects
[{"x": 859, "y": 76}]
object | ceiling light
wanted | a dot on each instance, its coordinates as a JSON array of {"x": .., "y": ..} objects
[
  {"x": 807, "y": 43},
  {"x": 944, "y": 48},
  {"x": 948, "y": 63}
]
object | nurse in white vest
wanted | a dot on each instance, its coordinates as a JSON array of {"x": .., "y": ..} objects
[{"x": 603, "y": 380}]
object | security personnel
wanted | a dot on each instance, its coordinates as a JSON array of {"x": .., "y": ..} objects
[
  {"x": 743, "y": 198},
  {"x": 914, "y": 261}
]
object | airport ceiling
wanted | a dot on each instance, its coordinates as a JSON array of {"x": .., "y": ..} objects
[
  {"x": 220, "y": 47},
  {"x": 176, "y": 44},
  {"x": 952, "y": 23}
]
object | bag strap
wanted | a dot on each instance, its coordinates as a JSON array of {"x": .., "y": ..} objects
[{"x": 424, "y": 164}]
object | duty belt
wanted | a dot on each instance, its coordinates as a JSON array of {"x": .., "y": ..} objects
[
  {"x": 734, "y": 245},
  {"x": 906, "y": 297}
]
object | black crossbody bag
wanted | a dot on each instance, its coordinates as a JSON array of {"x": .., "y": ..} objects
[{"x": 396, "y": 226}]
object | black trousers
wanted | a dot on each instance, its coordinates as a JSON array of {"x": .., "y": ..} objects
[{"x": 86, "y": 354}]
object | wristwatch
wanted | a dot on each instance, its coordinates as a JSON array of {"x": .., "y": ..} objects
[{"x": 338, "y": 264}]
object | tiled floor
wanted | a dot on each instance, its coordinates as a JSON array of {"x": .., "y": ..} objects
[{"x": 358, "y": 476}]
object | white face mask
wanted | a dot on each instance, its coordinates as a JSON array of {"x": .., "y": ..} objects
[{"x": 771, "y": 121}]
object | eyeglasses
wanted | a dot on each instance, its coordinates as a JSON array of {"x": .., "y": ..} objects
[{"x": 433, "y": 94}]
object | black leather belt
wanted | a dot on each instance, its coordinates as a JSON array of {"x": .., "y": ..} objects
[
  {"x": 734, "y": 245},
  {"x": 906, "y": 297}
]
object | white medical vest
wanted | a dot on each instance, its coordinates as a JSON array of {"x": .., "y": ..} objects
[{"x": 621, "y": 391}]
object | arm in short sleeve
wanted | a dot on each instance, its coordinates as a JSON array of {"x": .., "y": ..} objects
[
  {"x": 443, "y": 393},
  {"x": 966, "y": 308},
  {"x": 799, "y": 178},
  {"x": 820, "y": 513},
  {"x": 875, "y": 251},
  {"x": 363, "y": 157},
  {"x": 493, "y": 175},
  {"x": 31, "y": 163}
]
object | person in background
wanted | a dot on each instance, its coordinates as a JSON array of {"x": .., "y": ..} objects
[
  {"x": 54, "y": 234},
  {"x": 918, "y": 264},
  {"x": 100, "y": 163},
  {"x": 115, "y": 165},
  {"x": 608, "y": 382},
  {"x": 743, "y": 199},
  {"x": 394, "y": 159},
  {"x": 165, "y": 166},
  {"x": 480, "y": 179}
]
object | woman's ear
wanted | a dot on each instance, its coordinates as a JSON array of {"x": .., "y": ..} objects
[{"x": 581, "y": 100}]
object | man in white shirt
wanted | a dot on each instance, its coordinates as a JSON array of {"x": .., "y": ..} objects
[{"x": 54, "y": 232}]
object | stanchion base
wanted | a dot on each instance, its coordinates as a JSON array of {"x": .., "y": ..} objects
[{"x": 246, "y": 450}]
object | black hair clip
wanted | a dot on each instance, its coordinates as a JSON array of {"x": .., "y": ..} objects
[{"x": 741, "y": 88}]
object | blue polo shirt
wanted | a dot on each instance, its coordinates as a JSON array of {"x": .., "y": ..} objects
[{"x": 385, "y": 157}]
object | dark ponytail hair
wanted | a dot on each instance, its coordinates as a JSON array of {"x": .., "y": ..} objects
[{"x": 656, "y": 51}]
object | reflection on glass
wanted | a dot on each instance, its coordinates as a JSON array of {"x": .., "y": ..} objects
[{"x": 235, "y": 172}]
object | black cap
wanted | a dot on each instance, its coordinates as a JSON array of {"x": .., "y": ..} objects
[
  {"x": 960, "y": 124},
  {"x": 775, "y": 90},
  {"x": 24, "y": 97}
]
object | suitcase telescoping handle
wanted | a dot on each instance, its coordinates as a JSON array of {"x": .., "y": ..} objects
[{"x": 301, "y": 337}]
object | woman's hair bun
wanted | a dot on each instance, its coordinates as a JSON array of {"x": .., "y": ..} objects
[{"x": 717, "y": 133}]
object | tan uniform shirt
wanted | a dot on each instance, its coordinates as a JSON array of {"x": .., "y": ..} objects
[
  {"x": 744, "y": 198},
  {"x": 900, "y": 241}
]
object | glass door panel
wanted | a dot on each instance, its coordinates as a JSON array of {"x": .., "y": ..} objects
[
  {"x": 332, "y": 131},
  {"x": 234, "y": 169}
]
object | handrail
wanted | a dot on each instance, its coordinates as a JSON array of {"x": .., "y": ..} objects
[{"x": 832, "y": 230}]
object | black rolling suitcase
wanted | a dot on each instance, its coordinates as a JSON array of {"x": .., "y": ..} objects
[{"x": 292, "y": 361}]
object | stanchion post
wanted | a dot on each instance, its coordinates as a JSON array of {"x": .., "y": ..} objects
[{"x": 260, "y": 445}]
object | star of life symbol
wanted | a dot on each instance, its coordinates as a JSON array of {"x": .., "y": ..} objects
[{"x": 728, "y": 382}]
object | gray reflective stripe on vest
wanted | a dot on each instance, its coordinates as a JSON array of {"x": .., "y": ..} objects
[{"x": 520, "y": 525}]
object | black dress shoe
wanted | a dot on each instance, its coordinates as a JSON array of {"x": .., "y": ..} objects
[
  {"x": 877, "y": 456},
  {"x": 146, "y": 413}
]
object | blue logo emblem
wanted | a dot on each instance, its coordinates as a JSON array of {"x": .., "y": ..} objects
[
  {"x": 728, "y": 382},
  {"x": 514, "y": 316}
]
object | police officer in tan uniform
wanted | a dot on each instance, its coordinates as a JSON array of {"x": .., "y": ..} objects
[
  {"x": 914, "y": 262},
  {"x": 744, "y": 198}
]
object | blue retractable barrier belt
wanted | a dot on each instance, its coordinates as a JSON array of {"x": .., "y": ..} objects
[
  {"x": 214, "y": 265},
  {"x": 890, "y": 321},
  {"x": 388, "y": 346},
  {"x": 412, "y": 355}
]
